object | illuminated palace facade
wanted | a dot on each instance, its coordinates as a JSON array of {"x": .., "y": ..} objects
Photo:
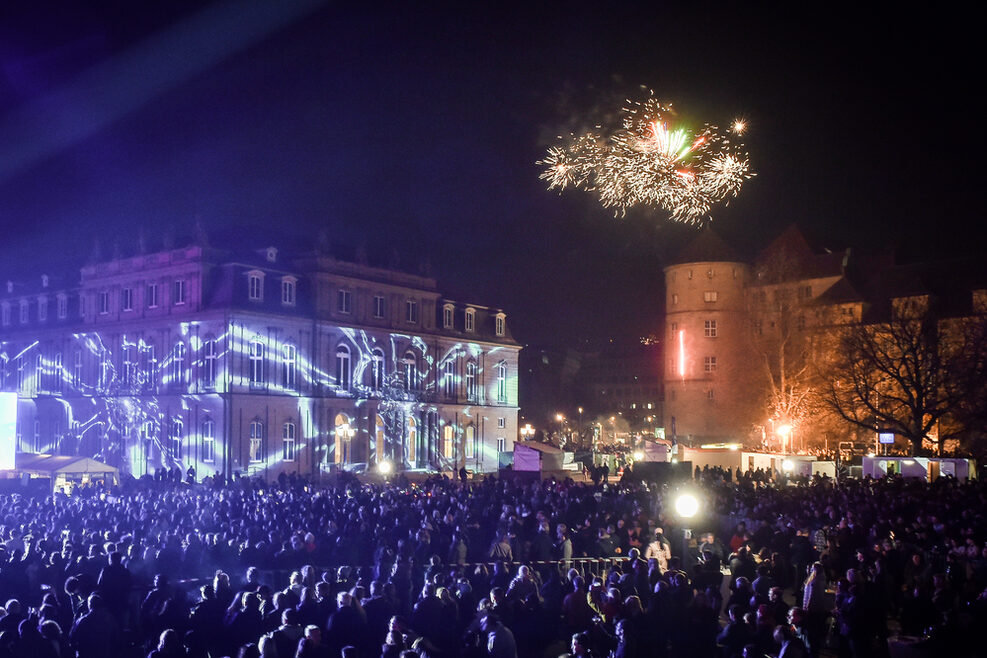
[{"x": 257, "y": 364}]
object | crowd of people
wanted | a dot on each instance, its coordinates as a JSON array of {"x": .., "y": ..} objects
[{"x": 494, "y": 567}]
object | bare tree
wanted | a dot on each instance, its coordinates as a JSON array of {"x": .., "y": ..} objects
[
  {"x": 902, "y": 375},
  {"x": 779, "y": 341},
  {"x": 967, "y": 381}
]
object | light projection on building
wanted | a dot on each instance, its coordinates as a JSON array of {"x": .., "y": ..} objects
[
  {"x": 242, "y": 396},
  {"x": 8, "y": 430}
]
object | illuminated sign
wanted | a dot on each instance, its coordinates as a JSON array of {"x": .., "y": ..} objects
[
  {"x": 8, "y": 430},
  {"x": 885, "y": 437}
]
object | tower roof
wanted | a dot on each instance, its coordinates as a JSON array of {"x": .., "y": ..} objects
[
  {"x": 707, "y": 247},
  {"x": 789, "y": 256}
]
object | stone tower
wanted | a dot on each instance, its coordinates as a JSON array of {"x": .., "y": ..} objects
[{"x": 706, "y": 336}]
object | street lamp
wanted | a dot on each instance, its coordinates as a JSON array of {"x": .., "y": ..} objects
[
  {"x": 527, "y": 432},
  {"x": 347, "y": 434},
  {"x": 785, "y": 431}
]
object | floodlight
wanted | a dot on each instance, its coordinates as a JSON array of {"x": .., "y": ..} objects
[{"x": 686, "y": 506}]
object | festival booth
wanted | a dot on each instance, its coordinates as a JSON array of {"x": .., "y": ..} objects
[
  {"x": 927, "y": 468},
  {"x": 532, "y": 456},
  {"x": 732, "y": 457},
  {"x": 654, "y": 451},
  {"x": 65, "y": 472}
]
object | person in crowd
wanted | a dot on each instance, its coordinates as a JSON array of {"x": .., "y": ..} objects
[{"x": 915, "y": 550}]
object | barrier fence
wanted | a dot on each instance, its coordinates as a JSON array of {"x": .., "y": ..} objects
[{"x": 588, "y": 567}]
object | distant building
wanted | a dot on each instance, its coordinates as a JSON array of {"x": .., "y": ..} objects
[
  {"x": 738, "y": 333},
  {"x": 257, "y": 364},
  {"x": 625, "y": 379}
]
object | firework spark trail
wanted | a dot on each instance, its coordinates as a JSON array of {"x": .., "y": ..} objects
[{"x": 648, "y": 162}]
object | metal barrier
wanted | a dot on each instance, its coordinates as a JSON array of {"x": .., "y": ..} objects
[{"x": 588, "y": 567}]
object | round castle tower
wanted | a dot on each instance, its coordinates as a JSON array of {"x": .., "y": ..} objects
[{"x": 705, "y": 340}]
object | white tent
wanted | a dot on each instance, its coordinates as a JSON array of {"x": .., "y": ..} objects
[
  {"x": 64, "y": 470},
  {"x": 533, "y": 456},
  {"x": 654, "y": 451}
]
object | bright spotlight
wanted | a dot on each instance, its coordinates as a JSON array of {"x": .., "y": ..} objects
[
  {"x": 385, "y": 467},
  {"x": 787, "y": 465},
  {"x": 638, "y": 456},
  {"x": 686, "y": 506}
]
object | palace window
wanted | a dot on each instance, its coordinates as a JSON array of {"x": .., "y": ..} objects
[
  {"x": 471, "y": 381},
  {"x": 208, "y": 440},
  {"x": 289, "y": 362},
  {"x": 288, "y": 291},
  {"x": 256, "y": 363},
  {"x": 256, "y": 449},
  {"x": 502, "y": 382},
  {"x": 288, "y": 442},
  {"x": 344, "y": 301},
  {"x": 255, "y": 286},
  {"x": 343, "y": 371}
]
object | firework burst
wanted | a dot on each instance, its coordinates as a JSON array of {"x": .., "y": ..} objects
[{"x": 650, "y": 161}]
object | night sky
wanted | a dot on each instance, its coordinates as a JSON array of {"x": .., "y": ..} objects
[{"x": 415, "y": 131}]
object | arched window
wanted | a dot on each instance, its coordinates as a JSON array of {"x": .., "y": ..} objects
[
  {"x": 37, "y": 383},
  {"x": 77, "y": 368},
  {"x": 129, "y": 363},
  {"x": 469, "y": 442},
  {"x": 377, "y": 369},
  {"x": 289, "y": 364},
  {"x": 381, "y": 439},
  {"x": 175, "y": 439},
  {"x": 147, "y": 439},
  {"x": 255, "y": 286},
  {"x": 410, "y": 364},
  {"x": 288, "y": 442},
  {"x": 344, "y": 433},
  {"x": 178, "y": 363},
  {"x": 256, "y": 363},
  {"x": 448, "y": 441},
  {"x": 471, "y": 381},
  {"x": 208, "y": 440},
  {"x": 502, "y": 382},
  {"x": 210, "y": 358},
  {"x": 450, "y": 378},
  {"x": 150, "y": 366},
  {"x": 256, "y": 453},
  {"x": 344, "y": 373},
  {"x": 411, "y": 440}
]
